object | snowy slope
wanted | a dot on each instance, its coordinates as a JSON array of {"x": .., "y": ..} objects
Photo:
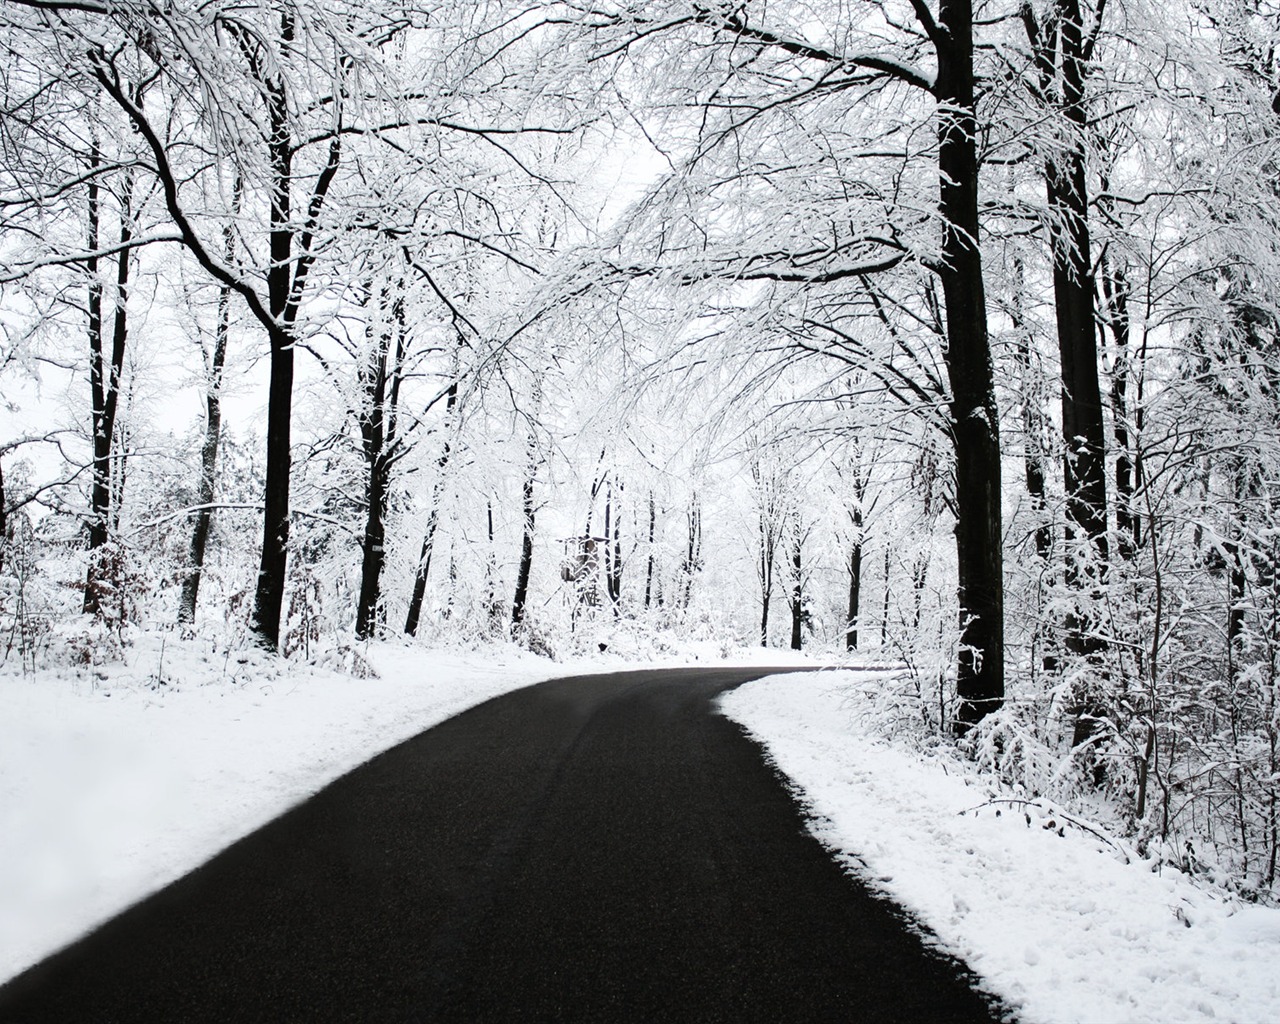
[
  {"x": 112, "y": 785},
  {"x": 1058, "y": 925},
  {"x": 117, "y": 779}
]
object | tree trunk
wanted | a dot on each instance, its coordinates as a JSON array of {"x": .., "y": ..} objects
[
  {"x": 377, "y": 417},
  {"x": 1115, "y": 290},
  {"x": 855, "y": 582},
  {"x": 286, "y": 284},
  {"x": 529, "y": 510},
  {"x": 206, "y": 491},
  {"x": 104, "y": 379},
  {"x": 269, "y": 598},
  {"x": 648, "y": 575},
  {"x": 373, "y": 554},
  {"x": 423, "y": 568},
  {"x": 97, "y": 525},
  {"x": 1031, "y": 396},
  {"x": 693, "y": 554},
  {"x": 797, "y": 595},
  {"x": 974, "y": 417},
  {"x": 120, "y": 453},
  {"x": 212, "y": 435},
  {"x": 1060, "y": 52},
  {"x": 526, "y": 544},
  {"x": 884, "y": 611},
  {"x": 766, "y": 577},
  {"x": 613, "y": 547},
  {"x": 919, "y": 577},
  {"x": 493, "y": 609},
  {"x": 615, "y": 582},
  {"x": 1084, "y": 458}
]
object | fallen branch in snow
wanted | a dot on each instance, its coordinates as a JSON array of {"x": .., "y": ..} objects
[{"x": 1097, "y": 833}]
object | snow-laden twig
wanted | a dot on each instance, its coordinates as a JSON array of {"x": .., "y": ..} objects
[{"x": 1092, "y": 830}]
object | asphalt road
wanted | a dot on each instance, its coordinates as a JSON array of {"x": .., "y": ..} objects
[{"x": 594, "y": 849}]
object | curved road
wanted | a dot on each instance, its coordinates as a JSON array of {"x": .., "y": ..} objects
[{"x": 602, "y": 848}]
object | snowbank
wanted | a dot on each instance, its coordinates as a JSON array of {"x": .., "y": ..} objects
[
  {"x": 113, "y": 784},
  {"x": 1056, "y": 924}
]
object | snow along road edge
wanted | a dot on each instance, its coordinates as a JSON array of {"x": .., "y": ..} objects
[{"x": 1057, "y": 925}]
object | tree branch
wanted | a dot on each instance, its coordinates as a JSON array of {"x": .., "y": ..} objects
[
  {"x": 883, "y": 65},
  {"x": 106, "y": 76}
]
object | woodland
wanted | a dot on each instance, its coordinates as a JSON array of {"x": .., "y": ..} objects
[{"x": 935, "y": 333}]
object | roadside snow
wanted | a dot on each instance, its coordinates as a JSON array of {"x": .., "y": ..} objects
[
  {"x": 1057, "y": 925},
  {"x": 112, "y": 785}
]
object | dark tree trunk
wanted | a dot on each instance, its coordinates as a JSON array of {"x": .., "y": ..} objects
[
  {"x": 613, "y": 548},
  {"x": 212, "y": 438},
  {"x": 1060, "y": 51},
  {"x": 1084, "y": 456},
  {"x": 1115, "y": 290},
  {"x": 269, "y": 598},
  {"x": 919, "y": 577},
  {"x": 1073, "y": 286},
  {"x": 1236, "y": 581},
  {"x": 423, "y": 570},
  {"x": 608, "y": 548},
  {"x": 615, "y": 583},
  {"x": 286, "y": 284},
  {"x": 120, "y": 452},
  {"x": 855, "y": 582},
  {"x": 373, "y": 555},
  {"x": 377, "y": 417},
  {"x": 526, "y": 546},
  {"x": 105, "y": 379},
  {"x": 493, "y": 606},
  {"x": 975, "y": 419},
  {"x": 529, "y": 509},
  {"x": 766, "y": 576},
  {"x": 648, "y": 575},
  {"x": 884, "y": 612},
  {"x": 1084, "y": 459},
  {"x": 208, "y": 481},
  {"x": 797, "y": 595},
  {"x": 98, "y": 376},
  {"x": 693, "y": 553}
]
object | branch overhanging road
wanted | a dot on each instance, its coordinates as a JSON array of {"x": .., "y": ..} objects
[{"x": 602, "y": 848}]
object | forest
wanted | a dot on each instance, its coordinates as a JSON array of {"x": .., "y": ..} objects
[{"x": 930, "y": 333}]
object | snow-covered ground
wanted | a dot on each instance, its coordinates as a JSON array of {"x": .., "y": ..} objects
[
  {"x": 113, "y": 783},
  {"x": 1049, "y": 915}
]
